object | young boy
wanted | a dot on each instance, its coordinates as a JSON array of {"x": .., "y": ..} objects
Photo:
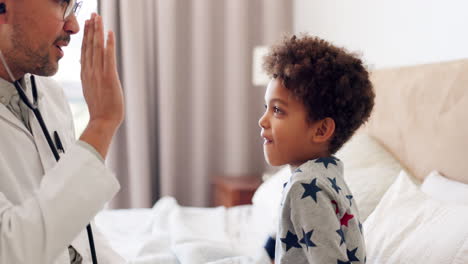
[{"x": 319, "y": 95}]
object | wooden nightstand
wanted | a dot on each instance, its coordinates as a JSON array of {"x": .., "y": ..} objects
[{"x": 231, "y": 191}]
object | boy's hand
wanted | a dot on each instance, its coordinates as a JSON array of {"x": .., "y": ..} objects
[{"x": 101, "y": 86}]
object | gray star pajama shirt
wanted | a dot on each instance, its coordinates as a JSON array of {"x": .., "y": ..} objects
[{"x": 319, "y": 220}]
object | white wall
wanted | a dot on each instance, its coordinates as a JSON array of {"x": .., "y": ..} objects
[{"x": 389, "y": 33}]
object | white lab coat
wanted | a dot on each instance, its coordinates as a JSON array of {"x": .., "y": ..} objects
[{"x": 44, "y": 205}]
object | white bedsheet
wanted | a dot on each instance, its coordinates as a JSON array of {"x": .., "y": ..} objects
[{"x": 169, "y": 233}]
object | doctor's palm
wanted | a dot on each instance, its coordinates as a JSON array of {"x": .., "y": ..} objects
[{"x": 101, "y": 85}]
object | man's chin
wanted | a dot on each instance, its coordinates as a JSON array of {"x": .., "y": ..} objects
[{"x": 48, "y": 70}]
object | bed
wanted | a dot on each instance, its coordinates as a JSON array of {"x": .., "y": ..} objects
[{"x": 406, "y": 168}]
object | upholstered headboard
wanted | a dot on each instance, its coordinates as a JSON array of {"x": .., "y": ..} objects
[{"x": 421, "y": 116}]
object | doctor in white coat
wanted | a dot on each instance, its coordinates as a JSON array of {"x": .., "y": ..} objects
[{"x": 45, "y": 205}]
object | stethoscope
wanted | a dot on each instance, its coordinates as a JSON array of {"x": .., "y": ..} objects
[{"x": 35, "y": 109}]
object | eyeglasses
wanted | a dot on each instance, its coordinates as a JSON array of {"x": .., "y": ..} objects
[{"x": 73, "y": 6}]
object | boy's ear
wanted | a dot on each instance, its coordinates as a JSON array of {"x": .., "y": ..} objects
[{"x": 323, "y": 130}]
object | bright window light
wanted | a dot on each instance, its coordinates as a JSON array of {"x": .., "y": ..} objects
[{"x": 69, "y": 71}]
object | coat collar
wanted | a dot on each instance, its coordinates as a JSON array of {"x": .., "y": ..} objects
[{"x": 6, "y": 114}]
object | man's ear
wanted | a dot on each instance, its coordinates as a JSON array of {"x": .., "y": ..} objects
[
  {"x": 3, "y": 12},
  {"x": 323, "y": 130}
]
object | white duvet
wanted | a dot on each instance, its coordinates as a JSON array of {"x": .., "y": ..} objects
[{"x": 170, "y": 233}]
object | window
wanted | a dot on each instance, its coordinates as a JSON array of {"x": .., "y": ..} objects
[{"x": 69, "y": 71}]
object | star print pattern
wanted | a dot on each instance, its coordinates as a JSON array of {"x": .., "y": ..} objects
[
  {"x": 311, "y": 190},
  {"x": 335, "y": 185},
  {"x": 342, "y": 236},
  {"x": 291, "y": 241},
  {"x": 337, "y": 210},
  {"x": 343, "y": 262},
  {"x": 350, "y": 198},
  {"x": 345, "y": 219},
  {"x": 326, "y": 161},
  {"x": 352, "y": 255},
  {"x": 306, "y": 239},
  {"x": 318, "y": 217}
]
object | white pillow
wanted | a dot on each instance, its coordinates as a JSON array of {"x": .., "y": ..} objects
[
  {"x": 408, "y": 226},
  {"x": 444, "y": 189},
  {"x": 368, "y": 185},
  {"x": 363, "y": 151},
  {"x": 369, "y": 170}
]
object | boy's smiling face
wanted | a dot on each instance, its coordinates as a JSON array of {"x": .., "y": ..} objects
[{"x": 289, "y": 138}]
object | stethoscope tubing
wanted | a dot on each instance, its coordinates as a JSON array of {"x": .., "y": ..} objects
[{"x": 35, "y": 108}]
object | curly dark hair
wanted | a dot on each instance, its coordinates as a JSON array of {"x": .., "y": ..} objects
[{"x": 329, "y": 81}]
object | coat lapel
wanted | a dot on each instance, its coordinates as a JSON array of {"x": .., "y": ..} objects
[{"x": 8, "y": 116}]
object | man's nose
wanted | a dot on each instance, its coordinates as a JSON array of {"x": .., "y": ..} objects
[{"x": 71, "y": 25}]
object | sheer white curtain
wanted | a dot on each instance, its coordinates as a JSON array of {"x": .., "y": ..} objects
[{"x": 192, "y": 110}]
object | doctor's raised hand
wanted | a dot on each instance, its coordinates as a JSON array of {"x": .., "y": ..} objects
[{"x": 101, "y": 85}]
